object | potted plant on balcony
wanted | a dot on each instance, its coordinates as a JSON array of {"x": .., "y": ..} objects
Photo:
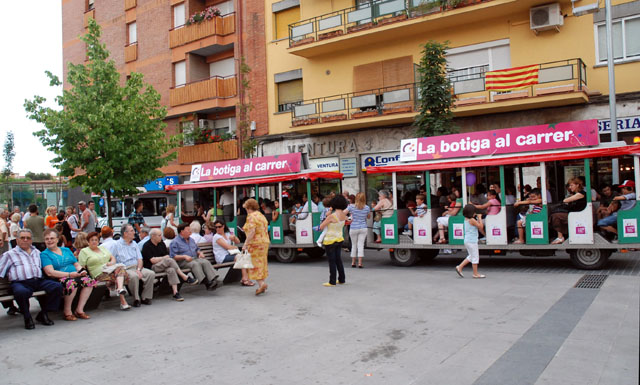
[
  {"x": 304, "y": 121},
  {"x": 393, "y": 19},
  {"x": 370, "y": 112},
  {"x": 208, "y": 14},
  {"x": 329, "y": 35},
  {"x": 334, "y": 118},
  {"x": 425, "y": 8}
]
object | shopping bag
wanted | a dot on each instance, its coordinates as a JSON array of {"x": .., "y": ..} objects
[{"x": 243, "y": 261}]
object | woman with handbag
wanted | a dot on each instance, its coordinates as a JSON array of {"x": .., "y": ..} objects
[
  {"x": 577, "y": 201},
  {"x": 222, "y": 248},
  {"x": 257, "y": 243},
  {"x": 59, "y": 264},
  {"x": 333, "y": 240}
]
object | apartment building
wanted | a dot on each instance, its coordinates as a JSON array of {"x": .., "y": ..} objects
[
  {"x": 194, "y": 64},
  {"x": 341, "y": 78}
]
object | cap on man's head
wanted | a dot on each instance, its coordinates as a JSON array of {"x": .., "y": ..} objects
[{"x": 628, "y": 183}]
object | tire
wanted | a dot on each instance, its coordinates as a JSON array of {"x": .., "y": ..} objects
[
  {"x": 286, "y": 255},
  {"x": 404, "y": 257},
  {"x": 428, "y": 254},
  {"x": 589, "y": 259},
  {"x": 315, "y": 252}
]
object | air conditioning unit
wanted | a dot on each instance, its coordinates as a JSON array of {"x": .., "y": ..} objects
[
  {"x": 206, "y": 124},
  {"x": 546, "y": 17}
]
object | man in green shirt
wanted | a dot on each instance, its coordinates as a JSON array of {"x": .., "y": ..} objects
[{"x": 35, "y": 223}]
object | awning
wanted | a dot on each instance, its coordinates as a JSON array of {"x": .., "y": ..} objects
[
  {"x": 511, "y": 159},
  {"x": 261, "y": 180}
]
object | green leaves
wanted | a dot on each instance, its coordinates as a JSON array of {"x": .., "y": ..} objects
[
  {"x": 104, "y": 135},
  {"x": 436, "y": 101}
]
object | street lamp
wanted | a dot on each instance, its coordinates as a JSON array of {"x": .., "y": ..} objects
[{"x": 585, "y": 10}]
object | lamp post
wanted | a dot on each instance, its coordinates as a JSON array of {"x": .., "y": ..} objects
[{"x": 613, "y": 121}]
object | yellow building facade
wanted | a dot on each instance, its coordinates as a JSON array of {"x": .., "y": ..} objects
[{"x": 341, "y": 74}]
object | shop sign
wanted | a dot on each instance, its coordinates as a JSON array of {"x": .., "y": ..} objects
[
  {"x": 522, "y": 139},
  {"x": 628, "y": 124},
  {"x": 331, "y": 147},
  {"x": 381, "y": 159},
  {"x": 242, "y": 168},
  {"x": 348, "y": 167},
  {"x": 158, "y": 184},
  {"x": 325, "y": 164}
]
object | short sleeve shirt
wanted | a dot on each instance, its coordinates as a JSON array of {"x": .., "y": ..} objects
[
  {"x": 62, "y": 262},
  {"x": 136, "y": 218}
]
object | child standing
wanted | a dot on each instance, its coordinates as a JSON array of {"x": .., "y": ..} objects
[
  {"x": 472, "y": 225},
  {"x": 419, "y": 211}
]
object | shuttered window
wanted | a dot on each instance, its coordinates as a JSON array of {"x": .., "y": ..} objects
[
  {"x": 283, "y": 19},
  {"x": 387, "y": 73},
  {"x": 289, "y": 94}
]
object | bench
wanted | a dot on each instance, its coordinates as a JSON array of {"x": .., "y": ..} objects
[{"x": 92, "y": 303}]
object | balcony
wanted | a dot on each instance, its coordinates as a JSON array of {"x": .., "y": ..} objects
[
  {"x": 391, "y": 21},
  {"x": 212, "y": 93},
  {"x": 218, "y": 26},
  {"x": 560, "y": 83},
  {"x": 91, "y": 14},
  {"x": 131, "y": 52},
  {"x": 208, "y": 152},
  {"x": 128, "y": 4}
]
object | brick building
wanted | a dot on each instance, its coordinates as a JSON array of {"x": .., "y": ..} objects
[{"x": 194, "y": 66}]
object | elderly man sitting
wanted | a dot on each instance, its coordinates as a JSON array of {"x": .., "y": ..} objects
[
  {"x": 188, "y": 255},
  {"x": 156, "y": 257},
  {"x": 23, "y": 267},
  {"x": 127, "y": 252},
  {"x": 145, "y": 235}
]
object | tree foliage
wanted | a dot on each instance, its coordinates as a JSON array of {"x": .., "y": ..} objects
[
  {"x": 38, "y": 176},
  {"x": 8, "y": 153},
  {"x": 106, "y": 137},
  {"x": 435, "y": 117}
]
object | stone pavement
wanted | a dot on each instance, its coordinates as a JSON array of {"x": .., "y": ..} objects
[{"x": 387, "y": 325}]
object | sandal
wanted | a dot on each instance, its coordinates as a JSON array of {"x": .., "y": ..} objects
[
  {"x": 70, "y": 317},
  {"x": 247, "y": 283},
  {"x": 479, "y": 276},
  {"x": 81, "y": 315},
  {"x": 459, "y": 271},
  {"x": 557, "y": 241},
  {"x": 262, "y": 289}
]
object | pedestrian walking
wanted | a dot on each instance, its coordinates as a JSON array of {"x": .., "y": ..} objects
[
  {"x": 360, "y": 212},
  {"x": 472, "y": 225},
  {"x": 333, "y": 239},
  {"x": 257, "y": 244}
]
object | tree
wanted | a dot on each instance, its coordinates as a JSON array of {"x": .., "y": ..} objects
[
  {"x": 435, "y": 117},
  {"x": 38, "y": 176},
  {"x": 106, "y": 137},
  {"x": 8, "y": 152}
]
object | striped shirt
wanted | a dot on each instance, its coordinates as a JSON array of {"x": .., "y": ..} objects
[
  {"x": 359, "y": 217},
  {"x": 421, "y": 210},
  {"x": 18, "y": 265}
]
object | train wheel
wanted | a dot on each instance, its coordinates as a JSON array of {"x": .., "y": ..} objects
[
  {"x": 428, "y": 254},
  {"x": 589, "y": 259},
  {"x": 286, "y": 255},
  {"x": 404, "y": 257}
]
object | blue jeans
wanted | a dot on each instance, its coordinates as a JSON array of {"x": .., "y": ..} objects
[
  {"x": 334, "y": 255},
  {"x": 229, "y": 258},
  {"x": 611, "y": 220}
]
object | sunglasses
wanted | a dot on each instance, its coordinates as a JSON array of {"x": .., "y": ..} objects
[{"x": 219, "y": 227}]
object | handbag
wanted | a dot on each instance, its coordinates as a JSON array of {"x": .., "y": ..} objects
[{"x": 243, "y": 261}]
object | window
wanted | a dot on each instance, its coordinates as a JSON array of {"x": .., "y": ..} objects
[
  {"x": 626, "y": 45},
  {"x": 283, "y": 19},
  {"x": 90, "y": 5},
  {"x": 224, "y": 126},
  {"x": 187, "y": 130},
  {"x": 225, "y": 8},
  {"x": 178, "y": 16},
  {"x": 132, "y": 32},
  {"x": 180, "y": 73},
  {"x": 387, "y": 73},
  {"x": 222, "y": 68},
  {"x": 289, "y": 95}
]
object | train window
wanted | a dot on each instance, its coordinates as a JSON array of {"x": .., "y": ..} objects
[{"x": 116, "y": 209}]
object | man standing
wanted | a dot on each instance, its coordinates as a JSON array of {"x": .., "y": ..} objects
[
  {"x": 145, "y": 232},
  {"x": 188, "y": 255},
  {"x": 89, "y": 218},
  {"x": 4, "y": 231},
  {"x": 226, "y": 201},
  {"x": 127, "y": 252},
  {"x": 23, "y": 268},
  {"x": 73, "y": 221},
  {"x": 136, "y": 219},
  {"x": 35, "y": 223},
  {"x": 156, "y": 257}
]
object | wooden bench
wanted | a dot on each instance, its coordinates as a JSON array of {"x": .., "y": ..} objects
[{"x": 92, "y": 303}]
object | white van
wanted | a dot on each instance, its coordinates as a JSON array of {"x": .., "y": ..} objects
[{"x": 153, "y": 206}]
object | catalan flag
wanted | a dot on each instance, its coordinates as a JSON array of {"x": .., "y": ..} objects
[{"x": 511, "y": 79}]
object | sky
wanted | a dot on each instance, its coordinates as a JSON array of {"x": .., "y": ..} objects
[{"x": 32, "y": 44}]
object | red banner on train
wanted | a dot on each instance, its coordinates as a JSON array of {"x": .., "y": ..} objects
[
  {"x": 510, "y": 140},
  {"x": 242, "y": 168}
]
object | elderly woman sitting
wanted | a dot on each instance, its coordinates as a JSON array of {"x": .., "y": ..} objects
[
  {"x": 58, "y": 263},
  {"x": 384, "y": 209},
  {"x": 222, "y": 248},
  {"x": 98, "y": 260}
]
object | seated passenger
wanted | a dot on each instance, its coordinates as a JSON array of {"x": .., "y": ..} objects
[
  {"x": 623, "y": 202},
  {"x": 535, "y": 206},
  {"x": 419, "y": 211},
  {"x": 443, "y": 221},
  {"x": 295, "y": 212},
  {"x": 575, "y": 202},
  {"x": 607, "y": 204},
  {"x": 383, "y": 209},
  {"x": 492, "y": 204}
]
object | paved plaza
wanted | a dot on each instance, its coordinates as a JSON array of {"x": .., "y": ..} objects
[{"x": 524, "y": 324}]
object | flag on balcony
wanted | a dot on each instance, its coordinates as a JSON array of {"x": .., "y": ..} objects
[{"x": 511, "y": 78}]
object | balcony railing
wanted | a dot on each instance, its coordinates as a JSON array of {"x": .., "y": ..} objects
[
  {"x": 131, "y": 52},
  {"x": 219, "y": 25},
  {"x": 128, "y": 4},
  {"x": 208, "y": 152},
  {"x": 366, "y": 16},
  {"x": 214, "y": 87},
  {"x": 554, "y": 78}
]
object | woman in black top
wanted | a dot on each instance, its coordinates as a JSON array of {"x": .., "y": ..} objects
[{"x": 575, "y": 202}]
